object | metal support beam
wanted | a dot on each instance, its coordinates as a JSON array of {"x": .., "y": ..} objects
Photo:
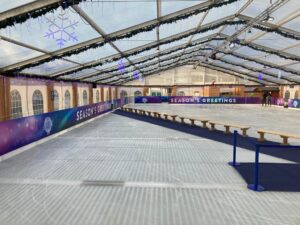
[
  {"x": 250, "y": 23},
  {"x": 158, "y": 15},
  {"x": 102, "y": 33},
  {"x": 26, "y": 8},
  {"x": 138, "y": 60},
  {"x": 120, "y": 33},
  {"x": 281, "y": 53},
  {"x": 145, "y": 47}
]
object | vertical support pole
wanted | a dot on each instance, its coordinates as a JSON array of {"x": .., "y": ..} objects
[
  {"x": 75, "y": 95},
  {"x": 50, "y": 96},
  {"x": 110, "y": 94},
  {"x": 102, "y": 94},
  {"x": 91, "y": 94},
  {"x": 5, "y": 104},
  {"x": 234, "y": 163},
  {"x": 256, "y": 186}
]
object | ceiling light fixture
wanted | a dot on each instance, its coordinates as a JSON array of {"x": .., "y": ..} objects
[
  {"x": 231, "y": 45},
  {"x": 268, "y": 18}
]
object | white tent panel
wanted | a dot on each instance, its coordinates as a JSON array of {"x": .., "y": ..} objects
[
  {"x": 50, "y": 67},
  {"x": 138, "y": 40},
  {"x": 11, "y": 53},
  {"x": 9, "y": 4},
  {"x": 93, "y": 54},
  {"x": 112, "y": 16}
]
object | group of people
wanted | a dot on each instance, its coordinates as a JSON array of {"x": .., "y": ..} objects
[{"x": 267, "y": 99}]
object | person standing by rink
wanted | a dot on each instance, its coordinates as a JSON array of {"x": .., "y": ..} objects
[
  {"x": 264, "y": 99},
  {"x": 269, "y": 99}
]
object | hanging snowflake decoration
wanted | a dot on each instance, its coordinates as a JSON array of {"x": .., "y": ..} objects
[
  {"x": 121, "y": 66},
  {"x": 142, "y": 79},
  {"x": 136, "y": 75},
  {"x": 62, "y": 30},
  {"x": 279, "y": 75}
]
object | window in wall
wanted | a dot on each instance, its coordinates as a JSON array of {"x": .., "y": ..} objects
[
  {"x": 97, "y": 96},
  {"x": 16, "y": 105},
  {"x": 55, "y": 100},
  {"x": 85, "y": 97},
  {"x": 37, "y": 102},
  {"x": 137, "y": 93},
  {"x": 113, "y": 94},
  {"x": 287, "y": 95},
  {"x": 181, "y": 93},
  {"x": 67, "y": 100},
  {"x": 296, "y": 95},
  {"x": 123, "y": 94}
]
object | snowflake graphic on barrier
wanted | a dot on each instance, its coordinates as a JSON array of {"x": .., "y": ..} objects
[{"x": 63, "y": 30}]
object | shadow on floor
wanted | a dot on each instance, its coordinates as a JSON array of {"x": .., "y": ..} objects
[
  {"x": 291, "y": 154},
  {"x": 273, "y": 176}
]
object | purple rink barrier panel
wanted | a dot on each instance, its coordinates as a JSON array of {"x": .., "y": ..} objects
[
  {"x": 19, "y": 132},
  {"x": 148, "y": 99},
  {"x": 213, "y": 100},
  {"x": 293, "y": 103}
]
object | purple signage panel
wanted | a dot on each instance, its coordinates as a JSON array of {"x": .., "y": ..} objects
[
  {"x": 213, "y": 100},
  {"x": 148, "y": 99},
  {"x": 294, "y": 103},
  {"x": 19, "y": 132}
]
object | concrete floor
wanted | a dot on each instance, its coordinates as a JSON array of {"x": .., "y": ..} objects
[{"x": 119, "y": 170}]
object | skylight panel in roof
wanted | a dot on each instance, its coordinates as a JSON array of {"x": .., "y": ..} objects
[
  {"x": 180, "y": 26},
  {"x": 294, "y": 50},
  {"x": 50, "y": 67},
  {"x": 79, "y": 74},
  {"x": 256, "y": 7},
  {"x": 168, "y": 7},
  {"x": 249, "y": 52},
  {"x": 11, "y": 53},
  {"x": 275, "y": 41},
  {"x": 112, "y": 16},
  {"x": 9, "y": 4},
  {"x": 93, "y": 54},
  {"x": 293, "y": 24},
  {"x": 136, "y": 41},
  {"x": 284, "y": 12},
  {"x": 224, "y": 11},
  {"x": 151, "y": 51},
  {"x": 174, "y": 44},
  {"x": 294, "y": 66}
]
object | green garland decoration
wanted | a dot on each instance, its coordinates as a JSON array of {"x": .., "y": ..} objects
[{"x": 12, "y": 21}]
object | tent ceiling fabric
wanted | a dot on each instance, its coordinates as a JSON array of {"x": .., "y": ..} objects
[{"x": 89, "y": 40}]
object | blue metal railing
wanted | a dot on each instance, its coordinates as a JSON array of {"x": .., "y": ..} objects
[{"x": 255, "y": 186}]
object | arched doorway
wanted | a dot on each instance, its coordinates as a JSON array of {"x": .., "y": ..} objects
[{"x": 137, "y": 93}]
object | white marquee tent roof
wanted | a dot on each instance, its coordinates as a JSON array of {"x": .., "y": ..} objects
[{"x": 111, "y": 41}]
